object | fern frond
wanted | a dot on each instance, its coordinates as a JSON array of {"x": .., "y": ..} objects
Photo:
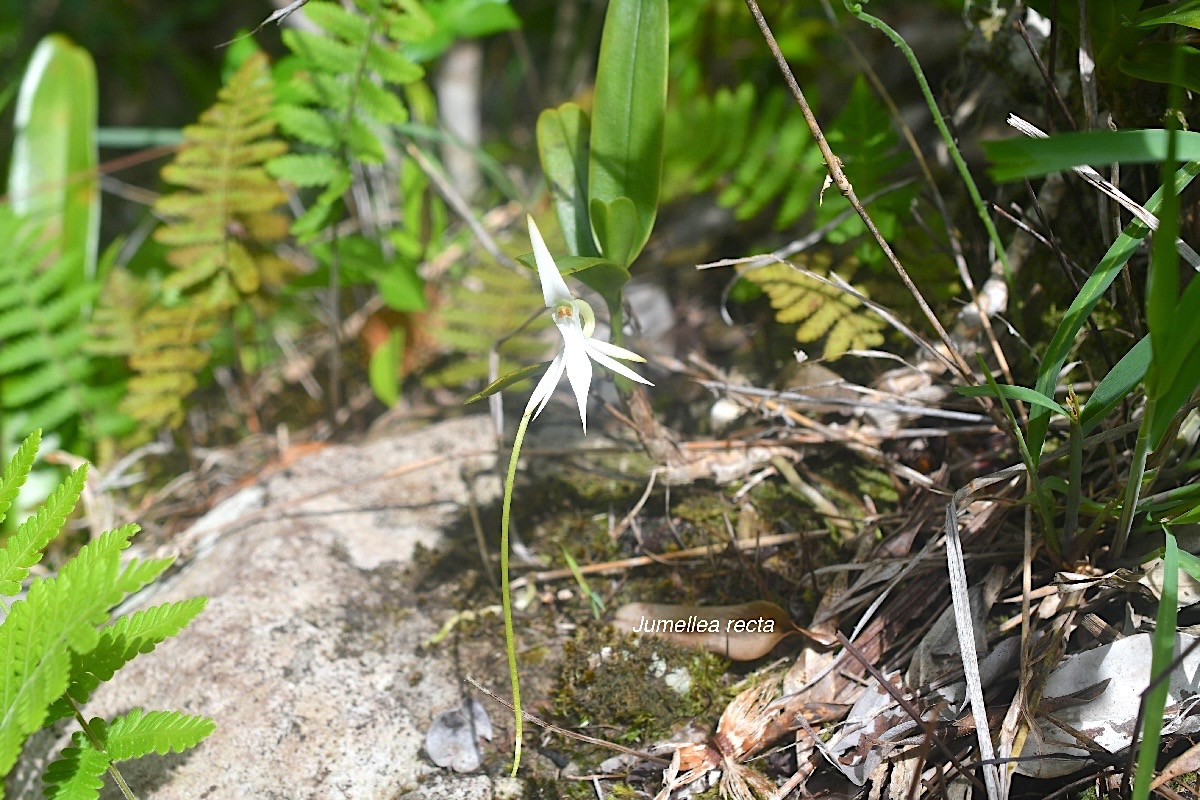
[
  {"x": 169, "y": 349},
  {"x": 341, "y": 98},
  {"x": 121, "y": 642},
  {"x": 139, "y": 733},
  {"x": 489, "y": 304},
  {"x": 219, "y": 170},
  {"x": 59, "y": 614},
  {"x": 15, "y": 473},
  {"x": 24, "y": 548},
  {"x": 757, "y": 152},
  {"x": 76, "y": 773},
  {"x": 44, "y": 372},
  {"x": 819, "y": 309},
  {"x": 141, "y": 572}
]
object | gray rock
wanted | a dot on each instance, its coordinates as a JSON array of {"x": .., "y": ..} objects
[{"x": 308, "y": 655}]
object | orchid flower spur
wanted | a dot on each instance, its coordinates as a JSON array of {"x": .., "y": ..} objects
[{"x": 576, "y": 322}]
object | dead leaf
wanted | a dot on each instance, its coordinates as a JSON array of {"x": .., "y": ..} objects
[
  {"x": 741, "y": 633},
  {"x": 1109, "y": 717},
  {"x": 453, "y": 737}
]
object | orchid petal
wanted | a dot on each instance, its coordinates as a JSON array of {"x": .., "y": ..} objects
[
  {"x": 614, "y": 351},
  {"x": 546, "y": 386},
  {"x": 578, "y": 365},
  {"x": 554, "y": 288},
  {"x": 615, "y": 366}
]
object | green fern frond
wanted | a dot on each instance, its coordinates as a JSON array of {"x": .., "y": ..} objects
[
  {"x": 11, "y": 482},
  {"x": 24, "y": 548},
  {"x": 50, "y": 643},
  {"x": 489, "y": 304},
  {"x": 226, "y": 199},
  {"x": 76, "y": 773},
  {"x": 58, "y": 614},
  {"x": 758, "y": 153},
  {"x": 819, "y": 309},
  {"x": 121, "y": 642},
  {"x": 140, "y": 733},
  {"x": 341, "y": 98},
  {"x": 45, "y": 374}
]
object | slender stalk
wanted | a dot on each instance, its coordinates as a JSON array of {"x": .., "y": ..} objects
[
  {"x": 510, "y": 641},
  {"x": 96, "y": 743},
  {"x": 834, "y": 165},
  {"x": 1133, "y": 489},
  {"x": 939, "y": 121},
  {"x": 1074, "y": 488}
]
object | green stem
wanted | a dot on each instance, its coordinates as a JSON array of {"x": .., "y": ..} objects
[
  {"x": 976, "y": 199},
  {"x": 510, "y": 641},
  {"x": 1137, "y": 471},
  {"x": 1074, "y": 486}
]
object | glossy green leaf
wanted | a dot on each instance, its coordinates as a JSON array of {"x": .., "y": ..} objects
[
  {"x": 1012, "y": 393},
  {"x": 383, "y": 372},
  {"x": 1125, "y": 375},
  {"x": 562, "y": 137},
  {"x": 627, "y": 119},
  {"x": 615, "y": 225},
  {"x": 1022, "y": 157},
  {"x": 52, "y": 178},
  {"x": 598, "y": 274},
  {"x": 505, "y": 381}
]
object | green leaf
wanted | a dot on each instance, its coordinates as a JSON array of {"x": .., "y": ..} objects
[
  {"x": 15, "y": 473},
  {"x": 562, "y": 137},
  {"x": 505, "y": 381},
  {"x": 1186, "y": 13},
  {"x": 338, "y": 21},
  {"x": 598, "y": 274},
  {"x": 1162, "y": 654},
  {"x": 24, "y": 548},
  {"x": 77, "y": 773},
  {"x": 308, "y": 169},
  {"x": 1012, "y": 393},
  {"x": 52, "y": 177},
  {"x": 401, "y": 287},
  {"x": 615, "y": 226},
  {"x": 383, "y": 372},
  {"x": 1016, "y": 158},
  {"x": 119, "y": 643},
  {"x": 1093, "y": 289},
  {"x": 627, "y": 118},
  {"x": 1151, "y": 61},
  {"x": 1125, "y": 375},
  {"x": 140, "y": 733}
]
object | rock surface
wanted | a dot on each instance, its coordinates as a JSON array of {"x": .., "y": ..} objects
[{"x": 308, "y": 655}]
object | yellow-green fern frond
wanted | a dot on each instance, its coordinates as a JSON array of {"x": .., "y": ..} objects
[
  {"x": 819, "y": 310},
  {"x": 224, "y": 219},
  {"x": 169, "y": 349}
]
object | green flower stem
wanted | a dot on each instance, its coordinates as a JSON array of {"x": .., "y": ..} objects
[
  {"x": 510, "y": 640},
  {"x": 1137, "y": 471},
  {"x": 976, "y": 199}
]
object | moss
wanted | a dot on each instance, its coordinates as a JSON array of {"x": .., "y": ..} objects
[{"x": 637, "y": 689}]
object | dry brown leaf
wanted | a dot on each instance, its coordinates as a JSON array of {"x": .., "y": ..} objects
[{"x": 741, "y": 633}]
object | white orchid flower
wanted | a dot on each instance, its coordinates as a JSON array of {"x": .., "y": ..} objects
[{"x": 576, "y": 322}]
